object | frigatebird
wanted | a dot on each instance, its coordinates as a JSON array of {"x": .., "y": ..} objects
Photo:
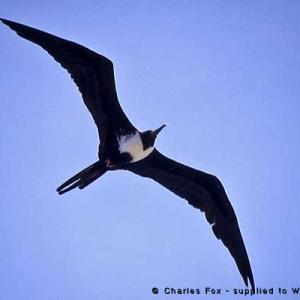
[{"x": 124, "y": 147}]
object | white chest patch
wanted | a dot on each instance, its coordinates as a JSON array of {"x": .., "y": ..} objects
[{"x": 133, "y": 145}]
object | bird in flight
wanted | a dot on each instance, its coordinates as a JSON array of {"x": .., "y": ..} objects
[{"x": 124, "y": 147}]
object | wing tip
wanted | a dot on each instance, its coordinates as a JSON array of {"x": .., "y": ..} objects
[
  {"x": 248, "y": 278},
  {"x": 4, "y": 21},
  {"x": 7, "y": 22},
  {"x": 11, "y": 24}
]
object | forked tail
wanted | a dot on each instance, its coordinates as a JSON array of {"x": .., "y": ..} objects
[{"x": 83, "y": 178}]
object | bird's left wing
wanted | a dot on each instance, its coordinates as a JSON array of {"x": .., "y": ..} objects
[
  {"x": 93, "y": 74},
  {"x": 202, "y": 191}
]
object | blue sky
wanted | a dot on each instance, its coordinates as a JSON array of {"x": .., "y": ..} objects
[{"x": 224, "y": 76}]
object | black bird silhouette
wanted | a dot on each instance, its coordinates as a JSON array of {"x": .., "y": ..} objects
[{"x": 124, "y": 147}]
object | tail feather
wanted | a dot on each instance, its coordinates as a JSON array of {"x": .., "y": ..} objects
[{"x": 83, "y": 178}]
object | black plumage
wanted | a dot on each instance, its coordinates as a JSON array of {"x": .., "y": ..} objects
[
  {"x": 202, "y": 191},
  {"x": 122, "y": 146}
]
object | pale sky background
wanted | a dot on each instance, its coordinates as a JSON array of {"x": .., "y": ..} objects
[{"x": 224, "y": 76}]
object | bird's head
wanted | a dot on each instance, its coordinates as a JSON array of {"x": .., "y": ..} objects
[{"x": 148, "y": 137}]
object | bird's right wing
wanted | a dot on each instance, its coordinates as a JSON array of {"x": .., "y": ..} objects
[
  {"x": 92, "y": 73},
  {"x": 202, "y": 191}
]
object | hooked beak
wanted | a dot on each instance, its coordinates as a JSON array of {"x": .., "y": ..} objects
[{"x": 159, "y": 129}]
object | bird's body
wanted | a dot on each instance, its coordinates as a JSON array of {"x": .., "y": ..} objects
[
  {"x": 122, "y": 146},
  {"x": 133, "y": 145},
  {"x": 128, "y": 148}
]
